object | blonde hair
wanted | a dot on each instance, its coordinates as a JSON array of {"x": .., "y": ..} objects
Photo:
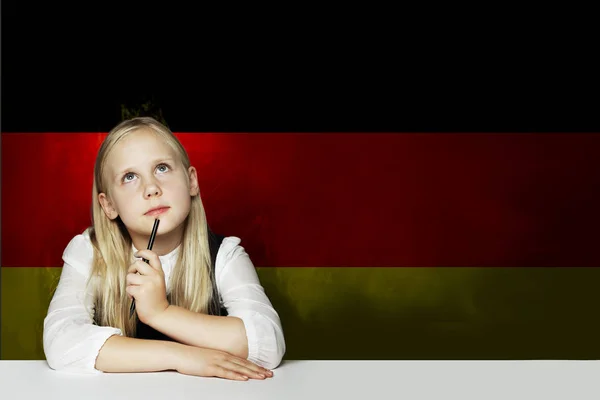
[{"x": 192, "y": 283}]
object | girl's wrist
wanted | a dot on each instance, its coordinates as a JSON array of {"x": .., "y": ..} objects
[
  {"x": 173, "y": 355},
  {"x": 154, "y": 320}
]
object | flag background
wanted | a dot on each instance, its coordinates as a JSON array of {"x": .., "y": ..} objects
[{"x": 370, "y": 245}]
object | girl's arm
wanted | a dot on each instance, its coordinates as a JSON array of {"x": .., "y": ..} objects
[
  {"x": 73, "y": 343},
  {"x": 71, "y": 340},
  {"x": 253, "y": 328},
  {"x": 201, "y": 330},
  {"x": 124, "y": 354}
]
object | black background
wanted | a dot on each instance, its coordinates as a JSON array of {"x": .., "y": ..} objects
[{"x": 68, "y": 69}]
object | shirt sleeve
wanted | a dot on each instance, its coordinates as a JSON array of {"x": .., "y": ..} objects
[
  {"x": 244, "y": 297},
  {"x": 71, "y": 340}
]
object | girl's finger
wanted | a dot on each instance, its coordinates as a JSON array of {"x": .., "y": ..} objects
[
  {"x": 132, "y": 290},
  {"x": 132, "y": 269},
  {"x": 151, "y": 256},
  {"x": 142, "y": 268},
  {"x": 135, "y": 279},
  {"x": 240, "y": 369},
  {"x": 251, "y": 366},
  {"x": 229, "y": 374}
]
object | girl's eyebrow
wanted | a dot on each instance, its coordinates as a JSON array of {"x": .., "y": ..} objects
[{"x": 156, "y": 161}]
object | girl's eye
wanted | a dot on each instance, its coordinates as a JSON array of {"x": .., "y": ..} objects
[
  {"x": 162, "y": 168},
  {"x": 128, "y": 177}
]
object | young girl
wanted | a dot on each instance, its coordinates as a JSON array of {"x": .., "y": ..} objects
[{"x": 199, "y": 306}]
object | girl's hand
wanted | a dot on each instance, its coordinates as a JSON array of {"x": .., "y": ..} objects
[
  {"x": 208, "y": 362},
  {"x": 148, "y": 288}
]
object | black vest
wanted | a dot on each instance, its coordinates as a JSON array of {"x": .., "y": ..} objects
[{"x": 144, "y": 331}]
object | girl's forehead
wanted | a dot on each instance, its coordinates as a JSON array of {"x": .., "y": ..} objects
[
  {"x": 142, "y": 140},
  {"x": 139, "y": 147}
]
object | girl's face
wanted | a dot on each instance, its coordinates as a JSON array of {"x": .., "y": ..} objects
[{"x": 146, "y": 180}]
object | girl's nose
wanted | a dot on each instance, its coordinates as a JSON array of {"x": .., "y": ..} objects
[{"x": 152, "y": 190}]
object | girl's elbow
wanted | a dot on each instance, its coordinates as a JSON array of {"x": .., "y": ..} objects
[
  {"x": 53, "y": 356},
  {"x": 50, "y": 343},
  {"x": 276, "y": 357},
  {"x": 275, "y": 362},
  {"x": 270, "y": 356},
  {"x": 56, "y": 345},
  {"x": 54, "y": 364},
  {"x": 54, "y": 360}
]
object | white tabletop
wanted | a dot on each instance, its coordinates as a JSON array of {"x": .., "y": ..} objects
[{"x": 312, "y": 380}]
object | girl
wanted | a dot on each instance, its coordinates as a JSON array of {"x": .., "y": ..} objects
[{"x": 199, "y": 306}]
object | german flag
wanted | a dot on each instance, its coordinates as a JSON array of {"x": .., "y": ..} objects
[{"x": 369, "y": 245}]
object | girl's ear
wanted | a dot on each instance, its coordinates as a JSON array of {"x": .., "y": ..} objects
[
  {"x": 194, "y": 189},
  {"x": 107, "y": 206}
]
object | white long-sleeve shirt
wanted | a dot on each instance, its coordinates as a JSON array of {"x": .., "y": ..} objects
[{"x": 72, "y": 341}]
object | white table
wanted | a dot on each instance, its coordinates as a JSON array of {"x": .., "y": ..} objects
[{"x": 332, "y": 380}]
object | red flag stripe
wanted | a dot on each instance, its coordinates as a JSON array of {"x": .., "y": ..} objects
[{"x": 335, "y": 199}]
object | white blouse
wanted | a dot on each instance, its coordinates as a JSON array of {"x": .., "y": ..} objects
[{"x": 72, "y": 341}]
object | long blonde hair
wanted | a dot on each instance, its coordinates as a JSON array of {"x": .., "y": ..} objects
[{"x": 192, "y": 285}]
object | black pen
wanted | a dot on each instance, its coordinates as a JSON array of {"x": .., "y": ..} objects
[{"x": 150, "y": 244}]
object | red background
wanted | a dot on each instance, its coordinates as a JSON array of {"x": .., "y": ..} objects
[{"x": 334, "y": 199}]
